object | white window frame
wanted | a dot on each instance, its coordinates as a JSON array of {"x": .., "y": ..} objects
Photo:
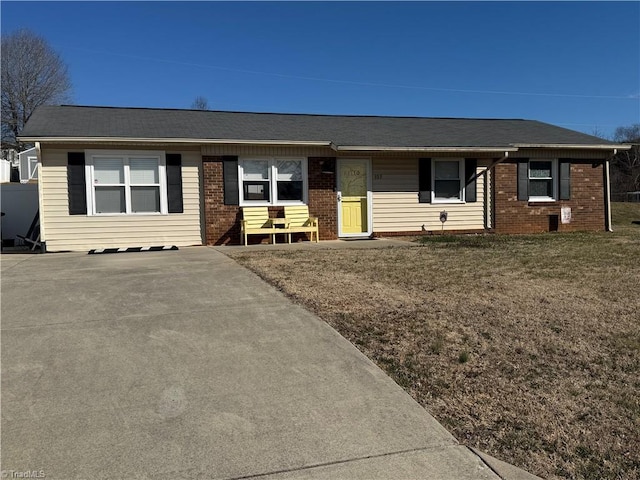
[
  {"x": 554, "y": 179},
  {"x": 434, "y": 199},
  {"x": 273, "y": 182},
  {"x": 126, "y": 155}
]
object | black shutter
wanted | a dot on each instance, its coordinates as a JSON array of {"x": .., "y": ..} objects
[
  {"x": 230, "y": 175},
  {"x": 565, "y": 179},
  {"x": 523, "y": 179},
  {"x": 174, "y": 183},
  {"x": 424, "y": 180},
  {"x": 470, "y": 180},
  {"x": 76, "y": 183}
]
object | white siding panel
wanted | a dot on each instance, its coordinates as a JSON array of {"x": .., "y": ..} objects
[
  {"x": 82, "y": 232},
  {"x": 396, "y": 207}
]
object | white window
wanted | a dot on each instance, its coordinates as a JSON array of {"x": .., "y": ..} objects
[
  {"x": 126, "y": 182},
  {"x": 448, "y": 185},
  {"x": 542, "y": 181},
  {"x": 272, "y": 181}
]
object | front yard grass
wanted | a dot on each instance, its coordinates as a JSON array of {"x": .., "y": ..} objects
[{"x": 526, "y": 347}]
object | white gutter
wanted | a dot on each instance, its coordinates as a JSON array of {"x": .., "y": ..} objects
[
  {"x": 358, "y": 148},
  {"x": 353, "y": 148},
  {"x": 199, "y": 141},
  {"x": 231, "y": 141},
  {"x": 563, "y": 146}
]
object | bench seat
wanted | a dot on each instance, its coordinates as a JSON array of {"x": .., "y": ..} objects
[
  {"x": 299, "y": 221},
  {"x": 256, "y": 221}
]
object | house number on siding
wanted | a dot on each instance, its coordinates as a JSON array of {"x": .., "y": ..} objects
[{"x": 377, "y": 176}]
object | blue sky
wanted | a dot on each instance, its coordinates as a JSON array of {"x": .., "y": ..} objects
[{"x": 574, "y": 64}]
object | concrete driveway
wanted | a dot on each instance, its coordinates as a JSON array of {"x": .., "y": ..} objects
[{"x": 183, "y": 364}]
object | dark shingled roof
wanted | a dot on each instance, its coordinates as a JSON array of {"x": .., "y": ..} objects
[{"x": 78, "y": 121}]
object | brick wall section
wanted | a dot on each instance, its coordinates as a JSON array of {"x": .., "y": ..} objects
[
  {"x": 323, "y": 202},
  {"x": 222, "y": 222},
  {"x": 587, "y": 202}
]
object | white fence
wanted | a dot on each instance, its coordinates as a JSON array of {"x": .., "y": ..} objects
[
  {"x": 19, "y": 203},
  {"x": 5, "y": 171}
]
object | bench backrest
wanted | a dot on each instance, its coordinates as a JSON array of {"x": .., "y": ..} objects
[
  {"x": 256, "y": 217},
  {"x": 298, "y": 215}
]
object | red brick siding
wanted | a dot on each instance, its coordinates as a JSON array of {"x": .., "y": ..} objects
[
  {"x": 587, "y": 202},
  {"x": 222, "y": 222},
  {"x": 322, "y": 197}
]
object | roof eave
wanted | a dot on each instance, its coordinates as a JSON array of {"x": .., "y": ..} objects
[
  {"x": 317, "y": 143},
  {"x": 199, "y": 141},
  {"x": 572, "y": 146},
  {"x": 371, "y": 148}
]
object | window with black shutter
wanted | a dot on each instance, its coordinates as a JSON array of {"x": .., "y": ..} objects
[
  {"x": 424, "y": 180},
  {"x": 174, "y": 183},
  {"x": 76, "y": 183}
]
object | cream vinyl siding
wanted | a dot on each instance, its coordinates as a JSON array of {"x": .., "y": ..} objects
[
  {"x": 267, "y": 150},
  {"x": 396, "y": 207},
  {"x": 64, "y": 232}
]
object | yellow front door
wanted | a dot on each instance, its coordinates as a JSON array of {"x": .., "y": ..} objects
[{"x": 353, "y": 204}]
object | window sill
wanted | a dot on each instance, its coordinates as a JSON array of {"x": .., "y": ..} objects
[
  {"x": 448, "y": 202},
  {"x": 265, "y": 204},
  {"x": 140, "y": 214}
]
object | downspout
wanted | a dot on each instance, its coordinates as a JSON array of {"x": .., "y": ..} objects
[
  {"x": 488, "y": 205},
  {"x": 607, "y": 200},
  {"x": 495, "y": 162}
]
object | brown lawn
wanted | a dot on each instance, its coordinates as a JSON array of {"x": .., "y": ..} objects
[{"x": 526, "y": 347}]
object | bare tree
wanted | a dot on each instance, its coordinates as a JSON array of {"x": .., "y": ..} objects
[
  {"x": 596, "y": 132},
  {"x": 200, "y": 103},
  {"x": 33, "y": 74},
  {"x": 626, "y": 164}
]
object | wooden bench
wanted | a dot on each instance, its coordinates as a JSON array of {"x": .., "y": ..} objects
[
  {"x": 299, "y": 221},
  {"x": 256, "y": 221}
]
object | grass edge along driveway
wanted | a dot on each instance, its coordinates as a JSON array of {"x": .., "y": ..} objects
[{"x": 526, "y": 347}]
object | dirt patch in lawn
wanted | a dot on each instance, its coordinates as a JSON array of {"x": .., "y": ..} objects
[{"x": 526, "y": 347}]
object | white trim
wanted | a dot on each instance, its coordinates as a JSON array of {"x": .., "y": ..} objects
[
  {"x": 572, "y": 147},
  {"x": 200, "y": 141},
  {"x": 41, "y": 210},
  {"x": 127, "y": 155},
  {"x": 273, "y": 182},
  {"x": 435, "y": 200},
  {"x": 554, "y": 179},
  {"x": 369, "y": 231},
  {"x": 357, "y": 148},
  {"x": 320, "y": 143}
]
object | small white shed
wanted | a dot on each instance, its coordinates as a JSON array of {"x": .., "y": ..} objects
[{"x": 28, "y": 165}]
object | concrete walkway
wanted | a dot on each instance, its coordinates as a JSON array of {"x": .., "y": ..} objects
[{"x": 183, "y": 364}]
